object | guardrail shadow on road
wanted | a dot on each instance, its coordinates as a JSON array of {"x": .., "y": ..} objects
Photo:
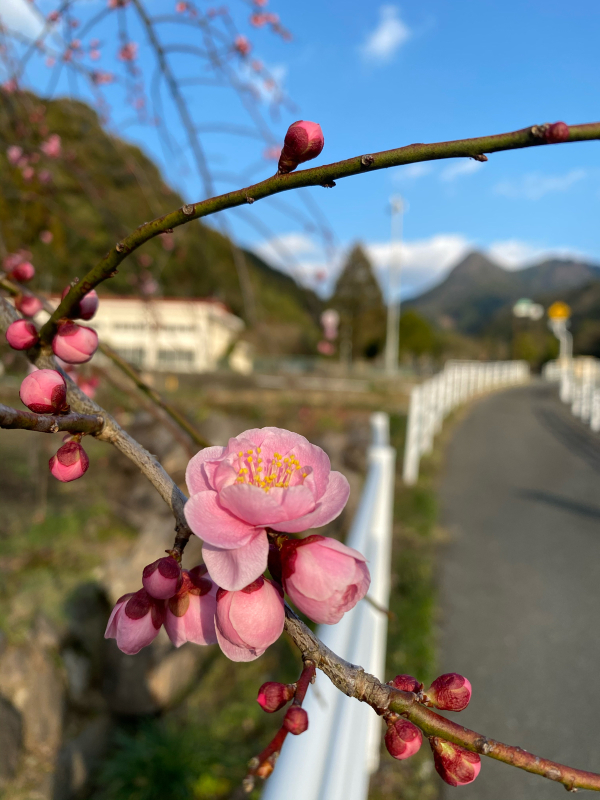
[
  {"x": 577, "y": 439},
  {"x": 564, "y": 503}
]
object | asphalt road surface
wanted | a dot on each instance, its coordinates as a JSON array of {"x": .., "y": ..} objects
[{"x": 520, "y": 585}]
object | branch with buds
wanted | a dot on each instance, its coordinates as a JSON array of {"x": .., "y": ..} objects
[
  {"x": 69, "y": 423},
  {"x": 534, "y": 136}
]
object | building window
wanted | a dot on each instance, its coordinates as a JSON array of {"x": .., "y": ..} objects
[
  {"x": 171, "y": 359},
  {"x": 179, "y": 328},
  {"x": 135, "y": 355}
]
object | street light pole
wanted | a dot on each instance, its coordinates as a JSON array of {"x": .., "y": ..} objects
[{"x": 392, "y": 341}]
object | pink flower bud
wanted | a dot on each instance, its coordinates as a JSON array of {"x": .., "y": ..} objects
[
  {"x": 249, "y": 620},
  {"x": 406, "y": 683},
  {"x": 52, "y": 146},
  {"x": 14, "y": 153},
  {"x": 295, "y": 720},
  {"x": 323, "y": 577},
  {"x": 303, "y": 141},
  {"x": 44, "y": 391},
  {"x": 28, "y": 305},
  {"x": 46, "y": 237},
  {"x": 86, "y": 307},
  {"x": 162, "y": 579},
  {"x": 403, "y": 739},
  {"x": 74, "y": 343},
  {"x": 449, "y": 692},
  {"x": 557, "y": 132},
  {"x": 272, "y": 696},
  {"x": 135, "y": 621},
  {"x": 21, "y": 335},
  {"x": 69, "y": 463},
  {"x": 190, "y": 615},
  {"x": 453, "y": 763},
  {"x": 23, "y": 272}
]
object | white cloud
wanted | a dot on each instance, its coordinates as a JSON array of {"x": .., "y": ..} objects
[
  {"x": 535, "y": 185},
  {"x": 460, "y": 168},
  {"x": 390, "y": 34},
  {"x": 18, "y": 15},
  {"x": 412, "y": 172},
  {"x": 514, "y": 254}
]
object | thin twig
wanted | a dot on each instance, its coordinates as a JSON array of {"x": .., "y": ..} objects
[{"x": 317, "y": 176}]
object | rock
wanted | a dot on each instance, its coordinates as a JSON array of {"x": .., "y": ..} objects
[
  {"x": 30, "y": 680},
  {"x": 169, "y": 679},
  {"x": 11, "y": 740},
  {"x": 80, "y": 758}
]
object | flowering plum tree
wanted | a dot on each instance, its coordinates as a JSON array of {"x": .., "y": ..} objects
[{"x": 251, "y": 500}]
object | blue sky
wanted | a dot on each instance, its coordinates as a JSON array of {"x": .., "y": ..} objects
[{"x": 377, "y": 76}]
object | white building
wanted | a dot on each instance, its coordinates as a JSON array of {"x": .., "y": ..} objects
[{"x": 167, "y": 335}]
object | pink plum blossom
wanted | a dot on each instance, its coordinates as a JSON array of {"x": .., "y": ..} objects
[
  {"x": 28, "y": 305},
  {"x": 190, "y": 615},
  {"x": 135, "y": 621},
  {"x": 323, "y": 577},
  {"x": 303, "y": 141},
  {"x": 52, "y": 146},
  {"x": 162, "y": 579},
  {"x": 44, "y": 391},
  {"x": 265, "y": 477},
  {"x": 128, "y": 52},
  {"x": 242, "y": 45},
  {"x": 14, "y": 153},
  {"x": 69, "y": 463},
  {"x": 46, "y": 237},
  {"x": 23, "y": 271},
  {"x": 454, "y": 764},
  {"x": 250, "y": 620},
  {"x": 21, "y": 335},
  {"x": 74, "y": 344},
  {"x": 86, "y": 307}
]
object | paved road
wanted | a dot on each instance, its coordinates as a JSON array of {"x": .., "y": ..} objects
[{"x": 520, "y": 585}]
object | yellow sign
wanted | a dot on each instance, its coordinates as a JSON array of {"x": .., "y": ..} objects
[{"x": 559, "y": 310}]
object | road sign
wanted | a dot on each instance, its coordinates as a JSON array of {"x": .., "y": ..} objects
[{"x": 559, "y": 310}]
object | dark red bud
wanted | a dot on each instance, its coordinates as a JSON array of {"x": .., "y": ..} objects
[
  {"x": 403, "y": 739},
  {"x": 557, "y": 132},
  {"x": 449, "y": 692},
  {"x": 274, "y": 562},
  {"x": 295, "y": 720},
  {"x": 454, "y": 764},
  {"x": 272, "y": 695},
  {"x": 406, "y": 683}
]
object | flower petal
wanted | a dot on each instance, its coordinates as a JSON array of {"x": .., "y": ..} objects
[
  {"x": 214, "y": 524},
  {"x": 329, "y": 507},
  {"x": 235, "y": 653},
  {"x": 196, "y": 477},
  {"x": 252, "y": 504},
  {"x": 235, "y": 569}
]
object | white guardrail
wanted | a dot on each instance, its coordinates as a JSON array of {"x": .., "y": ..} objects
[
  {"x": 579, "y": 380},
  {"x": 433, "y": 400},
  {"x": 334, "y": 759}
]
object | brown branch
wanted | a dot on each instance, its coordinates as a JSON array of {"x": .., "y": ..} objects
[
  {"x": 317, "y": 176},
  {"x": 14, "y": 288},
  {"x": 113, "y": 433},
  {"x": 47, "y": 423},
  {"x": 355, "y": 682}
]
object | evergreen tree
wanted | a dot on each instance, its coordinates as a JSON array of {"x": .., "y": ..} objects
[{"x": 359, "y": 301}]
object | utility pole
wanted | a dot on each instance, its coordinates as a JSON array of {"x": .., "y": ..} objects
[{"x": 392, "y": 341}]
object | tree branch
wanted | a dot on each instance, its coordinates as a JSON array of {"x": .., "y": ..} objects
[
  {"x": 47, "y": 423},
  {"x": 317, "y": 176},
  {"x": 355, "y": 682},
  {"x": 113, "y": 433}
]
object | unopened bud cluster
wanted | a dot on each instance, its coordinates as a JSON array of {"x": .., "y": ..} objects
[{"x": 449, "y": 692}]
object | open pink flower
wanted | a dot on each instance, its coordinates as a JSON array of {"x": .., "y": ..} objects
[
  {"x": 323, "y": 577},
  {"x": 191, "y": 612},
  {"x": 265, "y": 477},
  {"x": 250, "y": 620},
  {"x": 135, "y": 621}
]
